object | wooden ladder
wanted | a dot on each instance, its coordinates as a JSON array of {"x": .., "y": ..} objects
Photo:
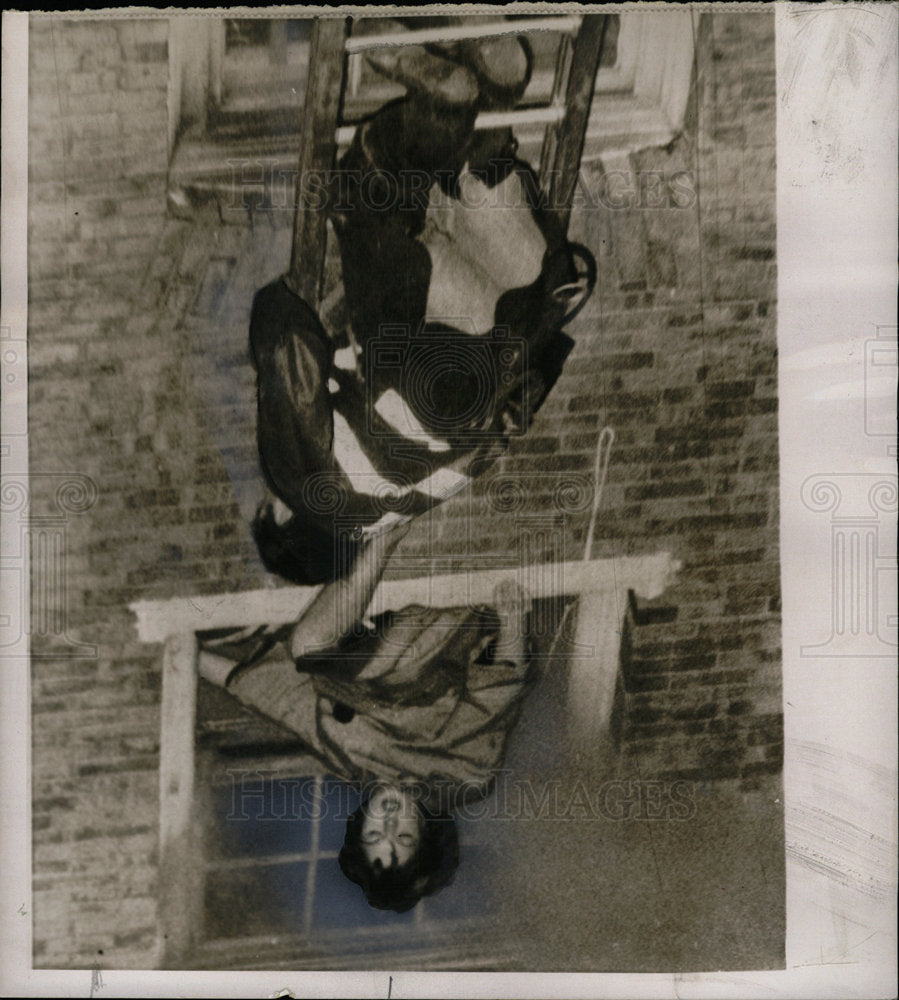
[{"x": 333, "y": 49}]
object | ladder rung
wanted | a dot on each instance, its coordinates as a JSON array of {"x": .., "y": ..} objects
[
  {"x": 526, "y": 116},
  {"x": 424, "y": 36},
  {"x": 488, "y": 119}
]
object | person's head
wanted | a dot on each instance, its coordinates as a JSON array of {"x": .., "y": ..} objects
[
  {"x": 397, "y": 851},
  {"x": 304, "y": 554}
]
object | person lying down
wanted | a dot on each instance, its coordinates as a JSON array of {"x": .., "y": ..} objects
[{"x": 415, "y": 705}]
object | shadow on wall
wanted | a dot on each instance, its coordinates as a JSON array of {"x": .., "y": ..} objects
[{"x": 607, "y": 871}]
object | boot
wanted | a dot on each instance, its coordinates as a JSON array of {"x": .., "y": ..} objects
[
  {"x": 501, "y": 65},
  {"x": 428, "y": 74}
]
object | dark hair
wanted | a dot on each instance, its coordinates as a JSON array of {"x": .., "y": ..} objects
[
  {"x": 300, "y": 552},
  {"x": 400, "y": 887}
]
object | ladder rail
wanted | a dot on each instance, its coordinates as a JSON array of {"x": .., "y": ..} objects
[
  {"x": 321, "y": 112},
  {"x": 571, "y": 132}
]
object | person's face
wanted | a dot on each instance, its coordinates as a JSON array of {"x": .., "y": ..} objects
[{"x": 391, "y": 828}]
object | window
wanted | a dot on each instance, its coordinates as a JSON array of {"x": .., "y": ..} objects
[
  {"x": 262, "y": 889},
  {"x": 265, "y": 62},
  {"x": 642, "y": 98},
  {"x": 270, "y": 825},
  {"x": 237, "y": 88}
]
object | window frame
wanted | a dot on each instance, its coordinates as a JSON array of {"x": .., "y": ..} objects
[
  {"x": 644, "y": 100},
  {"x": 601, "y": 588},
  {"x": 425, "y": 929}
]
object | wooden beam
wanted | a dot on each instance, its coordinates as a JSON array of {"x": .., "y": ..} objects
[
  {"x": 593, "y": 667},
  {"x": 647, "y": 576},
  {"x": 321, "y": 113},
  {"x": 486, "y": 120},
  {"x": 180, "y": 896}
]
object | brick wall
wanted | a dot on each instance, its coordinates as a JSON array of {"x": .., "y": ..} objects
[
  {"x": 111, "y": 399},
  {"x": 140, "y": 381},
  {"x": 705, "y": 695}
]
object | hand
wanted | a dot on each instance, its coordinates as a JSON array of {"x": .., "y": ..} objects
[
  {"x": 510, "y": 599},
  {"x": 391, "y": 529},
  {"x": 396, "y": 533},
  {"x": 512, "y": 607}
]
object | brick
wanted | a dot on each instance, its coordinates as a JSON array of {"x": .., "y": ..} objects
[
  {"x": 730, "y": 410},
  {"x": 96, "y": 82},
  {"x": 766, "y": 729},
  {"x": 730, "y": 390},
  {"x": 148, "y": 129},
  {"x": 152, "y": 51},
  {"x": 707, "y": 710},
  {"x": 686, "y": 488},
  {"x": 89, "y": 104},
  {"x": 646, "y": 715},
  {"x": 643, "y": 684},
  {"x": 693, "y": 661},
  {"x": 628, "y": 362},
  {"x": 678, "y": 395},
  {"x": 52, "y": 355},
  {"x": 113, "y": 227},
  {"x": 143, "y": 76},
  {"x": 761, "y": 768},
  {"x": 92, "y": 126}
]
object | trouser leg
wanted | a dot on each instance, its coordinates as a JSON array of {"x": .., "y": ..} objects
[{"x": 295, "y": 438}]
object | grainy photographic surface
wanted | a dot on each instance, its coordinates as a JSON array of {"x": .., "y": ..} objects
[
  {"x": 404, "y": 491},
  {"x": 528, "y": 302}
]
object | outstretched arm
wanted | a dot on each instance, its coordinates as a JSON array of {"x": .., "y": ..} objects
[
  {"x": 214, "y": 668},
  {"x": 340, "y": 604}
]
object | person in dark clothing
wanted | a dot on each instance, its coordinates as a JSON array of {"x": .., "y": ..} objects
[
  {"x": 334, "y": 482},
  {"x": 417, "y": 706},
  {"x": 457, "y": 286}
]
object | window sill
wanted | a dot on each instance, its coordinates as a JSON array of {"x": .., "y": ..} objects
[
  {"x": 470, "y": 948},
  {"x": 253, "y": 139},
  {"x": 252, "y": 163}
]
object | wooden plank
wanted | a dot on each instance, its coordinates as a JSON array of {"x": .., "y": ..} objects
[
  {"x": 593, "y": 665},
  {"x": 578, "y": 100},
  {"x": 625, "y": 120},
  {"x": 647, "y": 576},
  {"x": 550, "y": 140},
  {"x": 324, "y": 94},
  {"x": 180, "y": 896}
]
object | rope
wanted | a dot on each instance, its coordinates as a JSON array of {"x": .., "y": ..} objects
[{"x": 600, "y": 470}]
